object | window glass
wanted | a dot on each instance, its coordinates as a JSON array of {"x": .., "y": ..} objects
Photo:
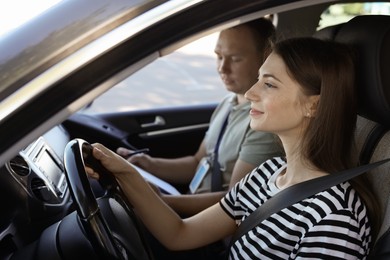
[
  {"x": 17, "y": 12},
  {"x": 185, "y": 77},
  {"x": 340, "y": 13}
]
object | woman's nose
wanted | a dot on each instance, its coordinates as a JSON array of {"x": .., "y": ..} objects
[{"x": 251, "y": 94}]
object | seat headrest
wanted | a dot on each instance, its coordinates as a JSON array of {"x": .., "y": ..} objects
[
  {"x": 329, "y": 32},
  {"x": 370, "y": 36}
]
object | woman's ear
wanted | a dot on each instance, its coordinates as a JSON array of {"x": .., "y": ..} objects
[{"x": 312, "y": 105}]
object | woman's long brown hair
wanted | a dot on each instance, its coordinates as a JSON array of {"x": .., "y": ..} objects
[{"x": 327, "y": 69}]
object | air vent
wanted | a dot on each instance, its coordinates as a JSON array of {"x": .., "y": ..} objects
[
  {"x": 19, "y": 166},
  {"x": 39, "y": 188}
]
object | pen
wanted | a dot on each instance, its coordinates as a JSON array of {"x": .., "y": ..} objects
[{"x": 145, "y": 150}]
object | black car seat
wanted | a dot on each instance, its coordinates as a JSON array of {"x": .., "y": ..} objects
[{"x": 370, "y": 36}]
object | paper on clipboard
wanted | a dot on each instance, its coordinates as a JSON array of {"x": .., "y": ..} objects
[{"x": 165, "y": 186}]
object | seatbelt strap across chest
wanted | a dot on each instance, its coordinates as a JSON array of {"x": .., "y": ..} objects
[{"x": 296, "y": 193}]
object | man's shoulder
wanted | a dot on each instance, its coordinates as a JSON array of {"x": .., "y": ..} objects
[
  {"x": 228, "y": 100},
  {"x": 225, "y": 104}
]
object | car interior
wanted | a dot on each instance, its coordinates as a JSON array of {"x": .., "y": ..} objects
[{"x": 35, "y": 179}]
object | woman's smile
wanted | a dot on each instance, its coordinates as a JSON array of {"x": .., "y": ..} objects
[{"x": 254, "y": 112}]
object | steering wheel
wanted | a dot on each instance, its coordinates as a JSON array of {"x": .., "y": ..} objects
[{"x": 127, "y": 241}]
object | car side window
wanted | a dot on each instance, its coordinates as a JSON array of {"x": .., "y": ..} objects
[
  {"x": 187, "y": 76},
  {"x": 341, "y": 13}
]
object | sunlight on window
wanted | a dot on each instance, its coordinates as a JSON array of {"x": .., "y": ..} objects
[
  {"x": 341, "y": 13},
  {"x": 17, "y": 12}
]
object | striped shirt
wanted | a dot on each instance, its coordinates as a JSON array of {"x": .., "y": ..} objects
[{"x": 332, "y": 224}]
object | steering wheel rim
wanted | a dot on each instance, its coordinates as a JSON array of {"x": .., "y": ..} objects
[{"x": 94, "y": 223}]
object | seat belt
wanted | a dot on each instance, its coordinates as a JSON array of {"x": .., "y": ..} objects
[
  {"x": 216, "y": 178},
  {"x": 296, "y": 193}
]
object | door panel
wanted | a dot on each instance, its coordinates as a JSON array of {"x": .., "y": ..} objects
[{"x": 167, "y": 132}]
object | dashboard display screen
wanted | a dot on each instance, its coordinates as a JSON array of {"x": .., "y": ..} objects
[{"x": 49, "y": 167}]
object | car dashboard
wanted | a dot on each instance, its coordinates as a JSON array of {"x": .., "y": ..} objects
[
  {"x": 39, "y": 167},
  {"x": 34, "y": 190}
]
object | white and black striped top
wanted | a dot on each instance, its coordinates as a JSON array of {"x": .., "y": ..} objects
[{"x": 332, "y": 224}]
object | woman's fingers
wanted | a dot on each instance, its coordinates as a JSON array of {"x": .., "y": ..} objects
[{"x": 91, "y": 173}]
